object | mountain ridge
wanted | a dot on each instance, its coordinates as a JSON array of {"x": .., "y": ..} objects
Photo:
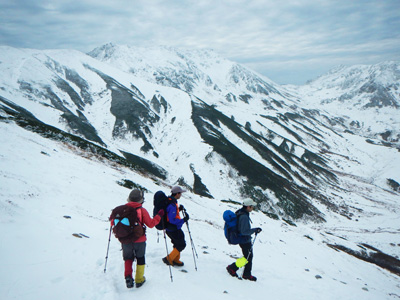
[
  {"x": 367, "y": 96},
  {"x": 252, "y": 139}
]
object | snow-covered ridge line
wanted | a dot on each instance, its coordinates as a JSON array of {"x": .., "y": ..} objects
[{"x": 125, "y": 103}]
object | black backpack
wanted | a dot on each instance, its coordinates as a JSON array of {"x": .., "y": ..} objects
[
  {"x": 160, "y": 201},
  {"x": 127, "y": 228}
]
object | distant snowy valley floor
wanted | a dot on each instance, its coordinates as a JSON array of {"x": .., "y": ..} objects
[{"x": 54, "y": 207}]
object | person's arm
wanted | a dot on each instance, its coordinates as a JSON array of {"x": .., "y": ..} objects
[
  {"x": 148, "y": 221},
  {"x": 244, "y": 226},
  {"x": 171, "y": 211}
]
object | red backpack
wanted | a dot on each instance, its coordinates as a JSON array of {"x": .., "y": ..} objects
[{"x": 127, "y": 227}]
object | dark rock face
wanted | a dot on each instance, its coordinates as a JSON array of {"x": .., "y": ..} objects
[
  {"x": 372, "y": 255},
  {"x": 132, "y": 114},
  {"x": 294, "y": 199}
]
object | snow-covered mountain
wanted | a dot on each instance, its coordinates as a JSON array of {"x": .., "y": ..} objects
[
  {"x": 232, "y": 132},
  {"x": 77, "y": 129},
  {"x": 202, "y": 72},
  {"x": 367, "y": 96}
]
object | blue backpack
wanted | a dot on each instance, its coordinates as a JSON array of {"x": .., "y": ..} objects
[{"x": 231, "y": 228}]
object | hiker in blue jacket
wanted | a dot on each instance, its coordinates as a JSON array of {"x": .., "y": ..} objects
[
  {"x": 245, "y": 231},
  {"x": 174, "y": 227}
]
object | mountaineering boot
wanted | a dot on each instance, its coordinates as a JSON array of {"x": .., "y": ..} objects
[
  {"x": 129, "y": 281},
  {"x": 177, "y": 262},
  {"x": 165, "y": 260},
  {"x": 250, "y": 277},
  {"x": 169, "y": 259},
  {"x": 231, "y": 271},
  {"x": 138, "y": 285},
  {"x": 139, "y": 278}
]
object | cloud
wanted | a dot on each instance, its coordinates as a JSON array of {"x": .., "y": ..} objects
[{"x": 256, "y": 33}]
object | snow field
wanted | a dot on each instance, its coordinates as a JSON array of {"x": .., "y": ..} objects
[{"x": 48, "y": 193}]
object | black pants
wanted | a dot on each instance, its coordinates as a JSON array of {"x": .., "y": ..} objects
[
  {"x": 248, "y": 254},
  {"x": 178, "y": 239}
]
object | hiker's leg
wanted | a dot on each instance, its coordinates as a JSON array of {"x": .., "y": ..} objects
[
  {"x": 128, "y": 256},
  {"x": 232, "y": 268},
  {"x": 140, "y": 250},
  {"x": 171, "y": 257},
  {"x": 248, "y": 254},
  {"x": 178, "y": 239}
]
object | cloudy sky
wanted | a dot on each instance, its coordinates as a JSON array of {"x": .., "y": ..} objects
[{"x": 289, "y": 41}]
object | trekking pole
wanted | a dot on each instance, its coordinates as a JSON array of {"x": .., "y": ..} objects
[
  {"x": 166, "y": 248},
  {"x": 191, "y": 242},
  {"x": 108, "y": 247},
  {"x": 251, "y": 250},
  {"x": 190, "y": 235}
]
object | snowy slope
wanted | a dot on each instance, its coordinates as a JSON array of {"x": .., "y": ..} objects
[
  {"x": 56, "y": 195},
  {"x": 49, "y": 192}
]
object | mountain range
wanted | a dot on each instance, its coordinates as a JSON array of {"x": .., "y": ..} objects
[
  {"x": 79, "y": 131},
  {"x": 199, "y": 120}
]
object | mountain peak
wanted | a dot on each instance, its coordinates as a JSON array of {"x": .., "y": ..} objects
[
  {"x": 202, "y": 70},
  {"x": 387, "y": 72},
  {"x": 367, "y": 86}
]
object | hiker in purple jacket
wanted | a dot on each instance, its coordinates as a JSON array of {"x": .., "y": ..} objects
[{"x": 174, "y": 227}]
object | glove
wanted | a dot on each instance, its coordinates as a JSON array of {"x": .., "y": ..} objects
[
  {"x": 186, "y": 218},
  {"x": 161, "y": 213},
  {"x": 258, "y": 230},
  {"x": 181, "y": 208}
]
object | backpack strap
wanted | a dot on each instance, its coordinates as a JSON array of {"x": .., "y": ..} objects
[
  {"x": 139, "y": 215},
  {"x": 239, "y": 213}
]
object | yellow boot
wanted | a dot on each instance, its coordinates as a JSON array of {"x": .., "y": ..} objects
[{"x": 139, "y": 278}]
